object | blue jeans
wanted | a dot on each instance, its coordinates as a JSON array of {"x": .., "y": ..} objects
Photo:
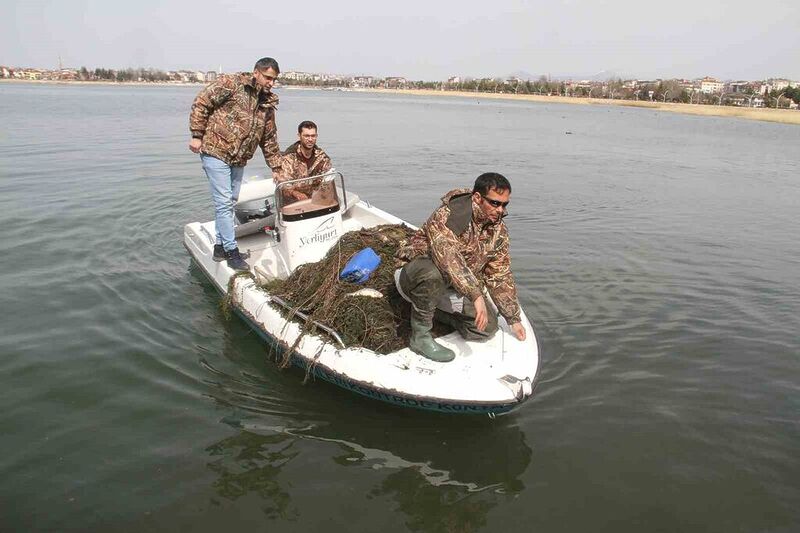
[{"x": 225, "y": 182}]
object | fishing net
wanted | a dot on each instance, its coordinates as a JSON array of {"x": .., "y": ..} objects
[{"x": 378, "y": 320}]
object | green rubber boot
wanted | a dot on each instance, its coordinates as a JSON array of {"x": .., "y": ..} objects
[{"x": 422, "y": 341}]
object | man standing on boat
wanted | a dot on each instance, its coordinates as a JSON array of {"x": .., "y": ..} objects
[
  {"x": 463, "y": 246},
  {"x": 303, "y": 159},
  {"x": 230, "y": 118}
]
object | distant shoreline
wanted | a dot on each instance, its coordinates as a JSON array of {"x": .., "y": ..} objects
[
  {"x": 107, "y": 82},
  {"x": 780, "y": 116}
]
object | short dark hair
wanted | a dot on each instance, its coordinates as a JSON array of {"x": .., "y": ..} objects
[
  {"x": 267, "y": 62},
  {"x": 491, "y": 180},
  {"x": 306, "y": 125}
]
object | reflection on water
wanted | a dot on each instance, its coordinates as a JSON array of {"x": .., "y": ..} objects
[
  {"x": 431, "y": 508},
  {"x": 440, "y": 485},
  {"x": 452, "y": 485},
  {"x": 250, "y": 463}
]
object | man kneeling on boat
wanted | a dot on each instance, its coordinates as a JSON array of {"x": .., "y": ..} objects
[{"x": 462, "y": 248}]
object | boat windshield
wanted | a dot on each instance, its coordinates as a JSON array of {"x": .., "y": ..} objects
[{"x": 308, "y": 197}]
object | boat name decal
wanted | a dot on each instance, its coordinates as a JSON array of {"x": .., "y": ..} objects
[{"x": 318, "y": 237}]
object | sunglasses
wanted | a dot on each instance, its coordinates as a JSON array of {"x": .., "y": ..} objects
[{"x": 495, "y": 203}]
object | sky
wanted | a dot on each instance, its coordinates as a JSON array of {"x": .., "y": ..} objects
[{"x": 416, "y": 39}]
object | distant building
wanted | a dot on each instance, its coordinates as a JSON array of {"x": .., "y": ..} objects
[
  {"x": 711, "y": 86},
  {"x": 454, "y": 80},
  {"x": 575, "y": 85},
  {"x": 739, "y": 87},
  {"x": 184, "y": 76},
  {"x": 294, "y": 75},
  {"x": 361, "y": 81},
  {"x": 778, "y": 84},
  {"x": 327, "y": 77},
  {"x": 211, "y": 76},
  {"x": 67, "y": 74},
  {"x": 394, "y": 82}
]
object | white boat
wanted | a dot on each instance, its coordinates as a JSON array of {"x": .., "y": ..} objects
[{"x": 489, "y": 377}]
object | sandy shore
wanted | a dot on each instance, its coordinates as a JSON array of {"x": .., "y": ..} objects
[{"x": 783, "y": 116}]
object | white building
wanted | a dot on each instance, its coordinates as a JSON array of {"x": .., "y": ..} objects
[
  {"x": 362, "y": 81},
  {"x": 294, "y": 75},
  {"x": 711, "y": 85},
  {"x": 739, "y": 86},
  {"x": 778, "y": 84}
]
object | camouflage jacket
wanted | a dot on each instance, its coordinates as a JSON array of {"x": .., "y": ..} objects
[
  {"x": 233, "y": 117},
  {"x": 294, "y": 165},
  {"x": 469, "y": 250}
]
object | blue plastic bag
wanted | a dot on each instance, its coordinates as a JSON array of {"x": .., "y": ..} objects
[{"x": 360, "y": 266}]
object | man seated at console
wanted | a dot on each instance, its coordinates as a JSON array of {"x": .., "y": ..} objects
[{"x": 303, "y": 159}]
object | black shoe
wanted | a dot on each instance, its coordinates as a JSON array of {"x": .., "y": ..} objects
[
  {"x": 235, "y": 260},
  {"x": 219, "y": 253}
]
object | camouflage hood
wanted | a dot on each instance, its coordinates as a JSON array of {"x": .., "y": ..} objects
[
  {"x": 454, "y": 193},
  {"x": 233, "y": 117},
  {"x": 464, "y": 196}
]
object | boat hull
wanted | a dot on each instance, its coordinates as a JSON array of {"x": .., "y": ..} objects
[
  {"x": 487, "y": 378},
  {"x": 367, "y": 389}
]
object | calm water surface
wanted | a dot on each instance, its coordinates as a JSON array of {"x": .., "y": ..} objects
[{"x": 656, "y": 254}]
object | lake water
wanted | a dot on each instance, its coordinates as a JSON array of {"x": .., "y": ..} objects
[{"x": 657, "y": 256}]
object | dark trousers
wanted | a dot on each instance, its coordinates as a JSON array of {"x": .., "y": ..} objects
[{"x": 423, "y": 283}]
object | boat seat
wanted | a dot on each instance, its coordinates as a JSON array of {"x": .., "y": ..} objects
[
  {"x": 257, "y": 187},
  {"x": 254, "y": 226}
]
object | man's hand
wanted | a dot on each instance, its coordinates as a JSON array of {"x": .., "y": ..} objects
[
  {"x": 519, "y": 331},
  {"x": 297, "y": 195},
  {"x": 195, "y": 145},
  {"x": 481, "y": 318}
]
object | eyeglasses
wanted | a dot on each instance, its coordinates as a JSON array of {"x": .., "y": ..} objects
[
  {"x": 264, "y": 75},
  {"x": 495, "y": 203}
]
